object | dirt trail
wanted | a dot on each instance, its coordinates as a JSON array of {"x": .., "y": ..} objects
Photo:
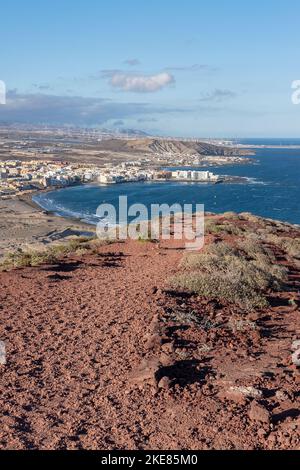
[
  {"x": 73, "y": 333},
  {"x": 96, "y": 359}
]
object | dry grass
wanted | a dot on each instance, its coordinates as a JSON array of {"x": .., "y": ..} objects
[
  {"x": 221, "y": 287},
  {"x": 231, "y": 215},
  {"x": 22, "y": 259},
  {"x": 241, "y": 325},
  {"x": 292, "y": 247},
  {"x": 52, "y": 254},
  {"x": 245, "y": 272},
  {"x": 218, "y": 227},
  {"x": 252, "y": 218},
  {"x": 240, "y": 275},
  {"x": 256, "y": 251}
]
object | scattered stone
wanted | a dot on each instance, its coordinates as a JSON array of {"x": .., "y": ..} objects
[
  {"x": 258, "y": 413},
  {"x": 296, "y": 358},
  {"x": 240, "y": 394},
  {"x": 2, "y": 353},
  {"x": 261, "y": 433},
  {"x": 296, "y": 345},
  {"x": 165, "y": 359},
  {"x": 164, "y": 383},
  {"x": 281, "y": 395},
  {"x": 249, "y": 392},
  {"x": 153, "y": 341},
  {"x": 146, "y": 372},
  {"x": 235, "y": 396},
  {"x": 168, "y": 348},
  {"x": 253, "y": 316},
  {"x": 272, "y": 440}
]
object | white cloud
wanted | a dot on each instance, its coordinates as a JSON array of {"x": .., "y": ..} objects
[{"x": 140, "y": 83}]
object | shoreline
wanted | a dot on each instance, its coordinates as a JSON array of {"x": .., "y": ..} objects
[
  {"x": 78, "y": 220},
  {"x": 25, "y": 225},
  {"x": 28, "y": 199}
]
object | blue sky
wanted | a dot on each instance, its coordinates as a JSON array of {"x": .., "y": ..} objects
[{"x": 182, "y": 68}]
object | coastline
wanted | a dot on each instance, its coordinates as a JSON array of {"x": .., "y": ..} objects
[
  {"x": 25, "y": 225},
  {"x": 24, "y": 222},
  {"x": 28, "y": 200}
]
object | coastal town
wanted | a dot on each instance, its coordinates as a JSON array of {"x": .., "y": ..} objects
[
  {"x": 40, "y": 158},
  {"x": 17, "y": 177}
]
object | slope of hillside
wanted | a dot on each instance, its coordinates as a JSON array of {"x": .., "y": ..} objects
[{"x": 104, "y": 352}]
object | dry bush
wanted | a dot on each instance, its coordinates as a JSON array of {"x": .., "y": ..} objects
[
  {"x": 272, "y": 239},
  {"x": 52, "y": 254},
  {"x": 291, "y": 246},
  {"x": 22, "y": 259},
  {"x": 254, "y": 236},
  {"x": 216, "y": 227},
  {"x": 221, "y": 286},
  {"x": 223, "y": 272},
  {"x": 252, "y": 218},
  {"x": 215, "y": 253},
  {"x": 231, "y": 215},
  {"x": 241, "y": 325},
  {"x": 253, "y": 250}
]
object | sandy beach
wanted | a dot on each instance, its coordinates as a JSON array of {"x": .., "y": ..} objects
[{"x": 23, "y": 224}]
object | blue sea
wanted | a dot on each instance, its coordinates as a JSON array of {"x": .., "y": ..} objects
[{"x": 272, "y": 189}]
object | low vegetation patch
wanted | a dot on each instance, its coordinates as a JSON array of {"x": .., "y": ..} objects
[
  {"x": 239, "y": 274},
  {"x": 291, "y": 246},
  {"x": 215, "y": 226},
  {"x": 52, "y": 254},
  {"x": 21, "y": 259}
]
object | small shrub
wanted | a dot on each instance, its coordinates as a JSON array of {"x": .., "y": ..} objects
[
  {"x": 242, "y": 325},
  {"x": 252, "y": 218},
  {"x": 231, "y": 215},
  {"x": 52, "y": 254},
  {"x": 292, "y": 247},
  {"x": 238, "y": 275},
  {"x": 221, "y": 287},
  {"x": 216, "y": 227},
  {"x": 254, "y": 250},
  {"x": 22, "y": 259}
]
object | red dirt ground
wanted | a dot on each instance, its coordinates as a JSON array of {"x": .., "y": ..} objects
[{"x": 101, "y": 354}]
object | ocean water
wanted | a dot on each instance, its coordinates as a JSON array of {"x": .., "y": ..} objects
[{"x": 272, "y": 189}]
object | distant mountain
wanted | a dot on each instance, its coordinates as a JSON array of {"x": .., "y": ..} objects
[
  {"x": 162, "y": 146},
  {"x": 133, "y": 132}
]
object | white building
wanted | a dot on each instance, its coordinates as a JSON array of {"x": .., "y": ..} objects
[{"x": 194, "y": 175}]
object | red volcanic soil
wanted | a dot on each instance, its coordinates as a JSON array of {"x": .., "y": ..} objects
[{"x": 101, "y": 354}]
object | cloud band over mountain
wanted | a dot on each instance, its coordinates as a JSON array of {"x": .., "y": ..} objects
[{"x": 77, "y": 110}]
